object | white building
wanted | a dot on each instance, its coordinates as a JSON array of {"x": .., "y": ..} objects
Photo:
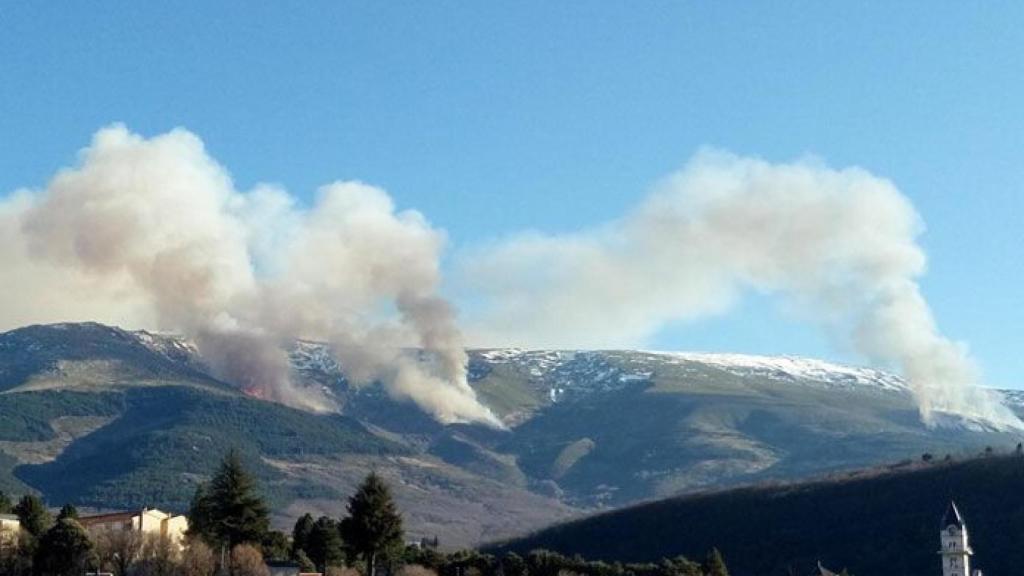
[
  {"x": 145, "y": 521},
  {"x": 956, "y": 549}
]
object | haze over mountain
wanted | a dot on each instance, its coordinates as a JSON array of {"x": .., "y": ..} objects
[{"x": 105, "y": 417}]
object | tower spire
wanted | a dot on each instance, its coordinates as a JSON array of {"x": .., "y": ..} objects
[{"x": 955, "y": 551}]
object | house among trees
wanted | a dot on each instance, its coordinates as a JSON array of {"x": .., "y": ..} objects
[{"x": 146, "y": 521}]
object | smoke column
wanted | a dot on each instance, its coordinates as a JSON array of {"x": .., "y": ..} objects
[
  {"x": 152, "y": 232},
  {"x": 157, "y": 226},
  {"x": 838, "y": 245}
]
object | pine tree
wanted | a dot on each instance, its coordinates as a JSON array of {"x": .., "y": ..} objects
[
  {"x": 300, "y": 533},
  {"x": 34, "y": 517},
  {"x": 64, "y": 550},
  {"x": 5, "y": 503},
  {"x": 228, "y": 511},
  {"x": 373, "y": 525},
  {"x": 714, "y": 565},
  {"x": 324, "y": 545}
]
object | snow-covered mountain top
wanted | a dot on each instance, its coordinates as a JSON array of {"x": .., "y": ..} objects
[
  {"x": 165, "y": 342},
  {"x": 310, "y": 355},
  {"x": 789, "y": 367},
  {"x": 307, "y": 355},
  {"x": 633, "y": 365},
  {"x": 587, "y": 370},
  {"x": 538, "y": 361}
]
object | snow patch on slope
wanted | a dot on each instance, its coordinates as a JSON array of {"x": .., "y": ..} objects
[{"x": 790, "y": 368}]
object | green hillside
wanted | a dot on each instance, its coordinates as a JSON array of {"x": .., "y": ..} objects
[
  {"x": 164, "y": 439},
  {"x": 878, "y": 523},
  {"x": 636, "y": 443}
]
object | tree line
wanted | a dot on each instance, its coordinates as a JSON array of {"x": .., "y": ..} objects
[
  {"x": 548, "y": 563},
  {"x": 229, "y": 533}
]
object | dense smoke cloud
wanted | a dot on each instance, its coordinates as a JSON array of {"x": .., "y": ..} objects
[
  {"x": 152, "y": 233},
  {"x": 839, "y": 245},
  {"x": 157, "y": 224}
]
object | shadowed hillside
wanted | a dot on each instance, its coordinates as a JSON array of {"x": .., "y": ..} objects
[{"x": 873, "y": 523}]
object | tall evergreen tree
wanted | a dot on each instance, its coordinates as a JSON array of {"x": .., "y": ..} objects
[
  {"x": 32, "y": 514},
  {"x": 324, "y": 545},
  {"x": 300, "y": 533},
  {"x": 229, "y": 511},
  {"x": 5, "y": 503},
  {"x": 373, "y": 525},
  {"x": 64, "y": 550}
]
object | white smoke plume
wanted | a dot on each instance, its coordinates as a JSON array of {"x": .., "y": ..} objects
[
  {"x": 153, "y": 232},
  {"x": 839, "y": 245}
]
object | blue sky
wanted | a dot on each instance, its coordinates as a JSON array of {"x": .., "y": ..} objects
[{"x": 491, "y": 118}]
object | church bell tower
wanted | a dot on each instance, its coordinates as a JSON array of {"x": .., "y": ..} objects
[{"x": 956, "y": 552}]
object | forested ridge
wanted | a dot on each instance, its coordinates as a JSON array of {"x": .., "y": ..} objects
[{"x": 871, "y": 523}]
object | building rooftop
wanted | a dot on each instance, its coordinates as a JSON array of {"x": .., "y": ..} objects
[
  {"x": 123, "y": 516},
  {"x": 106, "y": 518},
  {"x": 952, "y": 517},
  {"x": 8, "y": 517}
]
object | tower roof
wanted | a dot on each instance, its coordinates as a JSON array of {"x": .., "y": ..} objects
[{"x": 952, "y": 517}]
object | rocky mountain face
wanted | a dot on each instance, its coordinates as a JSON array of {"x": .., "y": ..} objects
[{"x": 108, "y": 418}]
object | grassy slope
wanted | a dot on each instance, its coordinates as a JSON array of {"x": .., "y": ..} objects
[
  {"x": 508, "y": 392},
  {"x": 883, "y": 524},
  {"x": 27, "y": 417},
  {"x": 166, "y": 439},
  {"x": 696, "y": 426}
]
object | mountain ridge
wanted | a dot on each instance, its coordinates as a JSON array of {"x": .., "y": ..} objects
[{"x": 587, "y": 430}]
